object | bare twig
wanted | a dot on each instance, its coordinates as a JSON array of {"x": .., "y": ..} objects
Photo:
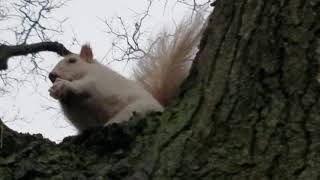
[
  {"x": 196, "y": 5},
  {"x": 128, "y": 42},
  {"x": 31, "y": 15}
]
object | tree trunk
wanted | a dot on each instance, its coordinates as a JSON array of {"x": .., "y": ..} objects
[{"x": 249, "y": 110}]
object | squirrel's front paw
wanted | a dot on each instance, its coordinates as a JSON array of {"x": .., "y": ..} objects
[{"x": 60, "y": 89}]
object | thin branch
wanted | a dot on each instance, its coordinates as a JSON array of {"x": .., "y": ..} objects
[
  {"x": 31, "y": 15},
  {"x": 196, "y": 6},
  {"x": 128, "y": 41}
]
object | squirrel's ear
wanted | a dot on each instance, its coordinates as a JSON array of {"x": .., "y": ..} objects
[{"x": 86, "y": 53}]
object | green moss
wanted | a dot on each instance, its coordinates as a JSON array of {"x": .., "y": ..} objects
[{"x": 5, "y": 174}]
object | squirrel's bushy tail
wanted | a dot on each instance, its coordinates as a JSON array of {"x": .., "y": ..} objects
[{"x": 169, "y": 59}]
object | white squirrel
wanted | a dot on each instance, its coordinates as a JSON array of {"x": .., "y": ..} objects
[{"x": 93, "y": 95}]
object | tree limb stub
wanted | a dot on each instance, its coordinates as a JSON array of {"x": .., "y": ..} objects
[{"x": 7, "y": 51}]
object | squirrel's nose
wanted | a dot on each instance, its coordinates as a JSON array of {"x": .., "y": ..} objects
[{"x": 53, "y": 76}]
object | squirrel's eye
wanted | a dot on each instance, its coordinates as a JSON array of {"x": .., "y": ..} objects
[{"x": 72, "y": 60}]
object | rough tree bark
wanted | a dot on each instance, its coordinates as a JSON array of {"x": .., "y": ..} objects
[{"x": 249, "y": 110}]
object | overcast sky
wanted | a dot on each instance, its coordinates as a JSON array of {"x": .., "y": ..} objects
[{"x": 28, "y": 107}]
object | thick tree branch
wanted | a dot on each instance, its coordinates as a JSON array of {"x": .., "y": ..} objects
[{"x": 7, "y": 51}]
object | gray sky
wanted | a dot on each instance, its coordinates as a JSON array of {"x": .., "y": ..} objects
[{"x": 28, "y": 107}]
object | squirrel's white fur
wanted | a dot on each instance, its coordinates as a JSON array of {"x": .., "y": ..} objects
[{"x": 93, "y": 95}]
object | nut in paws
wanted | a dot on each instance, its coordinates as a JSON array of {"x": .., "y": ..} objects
[{"x": 60, "y": 89}]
